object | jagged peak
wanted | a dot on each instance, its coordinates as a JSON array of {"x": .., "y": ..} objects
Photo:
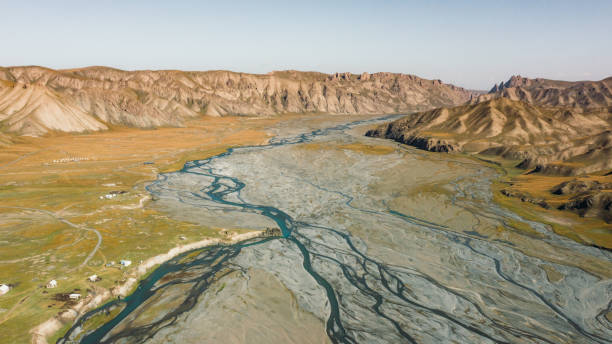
[{"x": 514, "y": 81}]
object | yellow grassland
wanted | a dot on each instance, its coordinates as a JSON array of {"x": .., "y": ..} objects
[
  {"x": 62, "y": 176},
  {"x": 355, "y": 147},
  {"x": 591, "y": 231}
]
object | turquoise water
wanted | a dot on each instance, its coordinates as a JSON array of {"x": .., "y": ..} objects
[{"x": 383, "y": 285}]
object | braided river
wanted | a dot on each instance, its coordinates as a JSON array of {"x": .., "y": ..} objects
[{"x": 378, "y": 243}]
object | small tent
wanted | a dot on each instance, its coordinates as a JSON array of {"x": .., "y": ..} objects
[{"x": 4, "y": 289}]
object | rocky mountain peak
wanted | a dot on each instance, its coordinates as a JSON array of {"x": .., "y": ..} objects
[
  {"x": 514, "y": 81},
  {"x": 580, "y": 95}
]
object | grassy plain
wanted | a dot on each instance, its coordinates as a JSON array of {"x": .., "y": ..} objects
[
  {"x": 592, "y": 231},
  {"x": 354, "y": 147},
  {"x": 41, "y": 185}
]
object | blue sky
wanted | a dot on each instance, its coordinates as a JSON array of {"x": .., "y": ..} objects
[{"x": 468, "y": 43}]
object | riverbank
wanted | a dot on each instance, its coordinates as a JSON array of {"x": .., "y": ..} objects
[{"x": 51, "y": 327}]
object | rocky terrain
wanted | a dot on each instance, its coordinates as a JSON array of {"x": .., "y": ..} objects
[
  {"x": 587, "y": 198},
  {"x": 558, "y": 141},
  {"x": 580, "y": 186},
  {"x": 580, "y": 95},
  {"x": 37, "y": 100}
]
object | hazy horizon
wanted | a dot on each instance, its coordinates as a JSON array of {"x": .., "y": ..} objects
[{"x": 471, "y": 45}]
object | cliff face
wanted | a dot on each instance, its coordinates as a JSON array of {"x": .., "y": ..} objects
[
  {"x": 580, "y": 95},
  {"x": 34, "y": 100}
]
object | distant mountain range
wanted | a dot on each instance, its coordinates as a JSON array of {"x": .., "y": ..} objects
[{"x": 36, "y": 100}]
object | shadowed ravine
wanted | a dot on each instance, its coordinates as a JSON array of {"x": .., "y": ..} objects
[{"x": 367, "y": 262}]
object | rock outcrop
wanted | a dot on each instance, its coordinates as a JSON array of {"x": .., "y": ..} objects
[
  {"x": 430, "y": 144},
  {"x": 598, "y": 204},
  {"x": 585, "y": 197},
  {"x": 577, "y": 186},
  {"x": 588, "y": 198},
  {"x": 525, "y": 197},
  {"x": 35, "y": 100}
]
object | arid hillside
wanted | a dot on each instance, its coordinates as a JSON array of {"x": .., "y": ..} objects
[
  {"x": 35, "y": 100},
  {"x": 580, "y": 95},
  {"x": 565, "y": 153},
  {"x": 554, "y": 140}
]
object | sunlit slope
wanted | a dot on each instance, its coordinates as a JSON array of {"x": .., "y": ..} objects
[
  {"x": 583, "y": 95},
  {"x": 554, "y": 140},
  {"x": 91, "y": 98},
  {"x": 34, "y": 110}
]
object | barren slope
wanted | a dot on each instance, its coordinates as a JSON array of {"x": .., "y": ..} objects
[
  {"x": 35, "y": 99},
  {"x": 579, "y": 95},
  {"x": 553, "y": 140},
  {"x": 34, "y": 109}
]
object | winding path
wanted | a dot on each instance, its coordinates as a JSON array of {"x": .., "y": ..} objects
[{"x": 62, "y": 219}]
